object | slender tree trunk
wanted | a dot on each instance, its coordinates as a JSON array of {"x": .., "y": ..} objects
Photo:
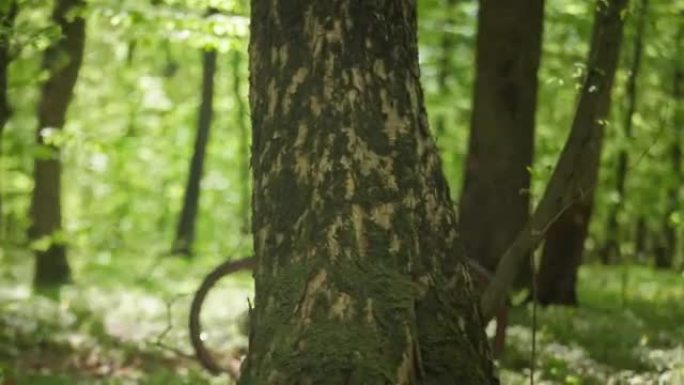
[
  {"x": 7, "y": 14},
  {"x": 360, "y": 277},
  {"x": 185, "y": 232},
  {"x": 640, "y": 237},
  {"x": 495, "y": 200},
  {"x": 565, "y": 241},
  {"x": 62, "y": 61},
  {"x": 610, "y": 251},
  {"x": 243, "y": 131},
  {"x": 445, "y": 67},
  {"x": 670, "y": 248}
]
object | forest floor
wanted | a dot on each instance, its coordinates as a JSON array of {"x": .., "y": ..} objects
[{"x": 125, "y": 323}]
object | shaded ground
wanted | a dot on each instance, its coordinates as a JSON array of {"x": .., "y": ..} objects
[
  {"x": 629, "y": 329},
  {"x": 117, "y": 326},
  {"x": 127, "y": 325}
]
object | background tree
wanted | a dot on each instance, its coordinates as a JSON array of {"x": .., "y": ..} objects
[
  {"x": 8, "y": 12},
  {"x": 359, "y": 274},
  {"x": 445, "y": 66},
  {"x": 665, "y": 257},
  {"x": 494, "y": 204},
  {"x": 243, "y": 132},
  {"x": 611, "y": 247},
  {"x": 564, "y": 243},
  {"x": 62, "y": 61},
  {"x": 185, "y": 232}
]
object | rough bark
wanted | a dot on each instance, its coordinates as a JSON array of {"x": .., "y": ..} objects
[
  {"x": 564, "y": 246},
  {"x": 62, "y": 61},
  {"x": 610, "y": 251},
  {"x": 574, "y": 175},
  {"x": 666, "y": 258},
  {"x": 494, "y": 204},
  {"x": 185, "y": 232},
  {"x": 8, "y": 13},
  {"x": 360, "y": 277}
]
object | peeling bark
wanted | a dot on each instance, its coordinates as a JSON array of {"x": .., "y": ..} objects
[{"x": 360, "y": 277}]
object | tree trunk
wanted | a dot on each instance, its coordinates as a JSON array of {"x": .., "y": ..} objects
[
  {"x": 360, "y": 277},
  {"x": 243, "y": 131},
  {"x": 495, "y": 200},
  {"x": 62, "y": 61},
  {"x": 8, "y": 13},
  {"x": 185, "y": 232},
  {"x": 564, "y": 243},
  {"x": 444, "y": 66},
  {"x": 563, "y": 250},
  {"x": 640, "y": 237},
  {"x": 610, "y": 251},
  {"x": 670, "y": 229}
]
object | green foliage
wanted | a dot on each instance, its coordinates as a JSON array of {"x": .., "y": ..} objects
[
  {"x": 628, "y": 328},
  {"x": 128, "y": 140},
  {"x": 114, "y": 327}
]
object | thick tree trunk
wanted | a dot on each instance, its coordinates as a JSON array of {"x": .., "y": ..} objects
[
  {"x": 563, "y": 251},
  {"x": 62, "y": 61},
  {"x": 670, "y": 247},
  {"x": 610, "y": 251},
  {"x": 495, "y": 200},
  {"x": 7, "y": 14},
  {"x": 360, "y": 277},
  {"x": 185, "y": 232}
]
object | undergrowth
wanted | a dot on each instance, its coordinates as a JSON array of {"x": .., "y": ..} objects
[{"x": 125, "y": 323}]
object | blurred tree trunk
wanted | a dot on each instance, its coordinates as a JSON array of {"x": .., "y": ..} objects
[
  {"x": 444, "y": 66},
  {"x": 8, "y": 12},
  {"x": 62, "y": 61},
  {"x": 360, "y": 276},
  {"x": 670, "y": 249},
  {"x": 610, "y": 251},
  {"x": 564, "y": 244},
  {"x": 495, "y": 200},
  {"x": 640, "y": 237},
  {"x": 241, "y": 114},
  {"x": 185, "y": 232}
]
